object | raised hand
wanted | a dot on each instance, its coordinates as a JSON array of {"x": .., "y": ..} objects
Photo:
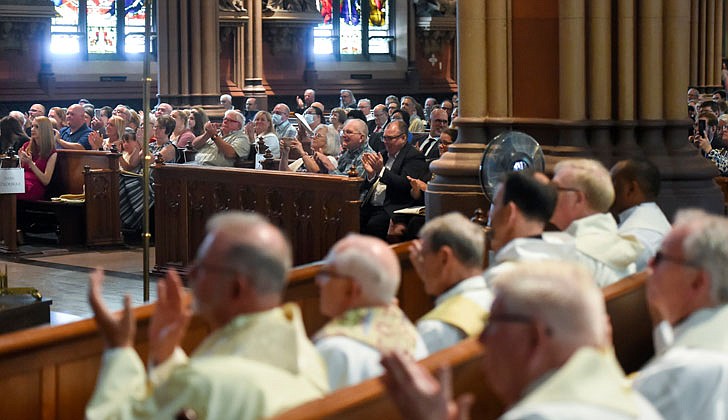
[
  {"x": 95, "y": 140},
  {"x": 170, "y": 320},
  {"x": 119, "y": 329}
]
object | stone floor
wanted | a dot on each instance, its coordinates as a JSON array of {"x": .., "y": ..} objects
[{"x": 62, "y": 276}]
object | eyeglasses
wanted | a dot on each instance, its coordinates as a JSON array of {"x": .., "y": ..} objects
[
  {"x": 392, "y": 138},
  {"x": 661, "y": 256},
  {"x": 230, "y": 120},
  {"x": 440, "y": 121},
  {"x": 350, "y": 132}
]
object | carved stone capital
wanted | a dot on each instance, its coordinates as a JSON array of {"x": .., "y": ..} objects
[
  {"x": 232, "y": 5},
  {"x": 433, "y": 32},
  {"x": 283, "y": 30}
]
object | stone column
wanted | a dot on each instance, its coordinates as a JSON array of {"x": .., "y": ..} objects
[
  {"x": 599, "y": 71},
  {"x": 497, "y": 60},
  {"x": 572, "y": 60},
  {"x": 254, "y": 55},
  {"x": 188, "y": 45},
  {"x": 455, "y": 186}
]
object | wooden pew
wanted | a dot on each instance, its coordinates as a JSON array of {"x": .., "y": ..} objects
[
  {"x": 97, "y": 220},
  {"x": 626, "y": 306},
  {"x": 631, "y": 322},
  {"x": 313, "y": 210},
  {"x": 50, "y": 372},
  {"x": 8, "y": 223}
]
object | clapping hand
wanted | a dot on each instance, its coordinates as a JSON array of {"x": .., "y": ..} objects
[
  {"x": 170, "y": 320},
  {"x": 94, "y": 139},
  {"x": 119, "y": 329},
  {"x": 419, "y": 395},
  {"x": 372, "y": 163}
]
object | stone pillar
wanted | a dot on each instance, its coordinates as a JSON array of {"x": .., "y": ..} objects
[
  {"x": 498, "y": 91},
  {"x": 572, "y": 60},
  {"x": 413, "y": 76},
  {"x": 455, "y": 185},
  {"x": 254, "y": 55},
  {"x": 188, "y": 48}
]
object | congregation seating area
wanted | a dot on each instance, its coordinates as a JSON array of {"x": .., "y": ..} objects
[
  {"x": 50, "y": 372},
  {"x": 91, "y": 221}
]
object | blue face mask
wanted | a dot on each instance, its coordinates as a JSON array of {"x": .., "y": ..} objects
[
  {"x": 309, "y": 118},
  {"x": 276, "y": 119}
]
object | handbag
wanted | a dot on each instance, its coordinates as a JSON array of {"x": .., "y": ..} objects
[{"x": 12, "y": 180}]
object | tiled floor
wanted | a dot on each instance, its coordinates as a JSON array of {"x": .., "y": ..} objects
[{"x": 62, "y": 275}]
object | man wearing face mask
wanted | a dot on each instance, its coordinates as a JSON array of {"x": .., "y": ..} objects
[{"x": 283, "y": 127}]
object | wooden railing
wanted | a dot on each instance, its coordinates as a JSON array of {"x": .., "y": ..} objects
[{"x": 313, "y": 210}]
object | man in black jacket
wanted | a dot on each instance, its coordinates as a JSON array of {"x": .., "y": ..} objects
[{"x": 387, "y": 174}]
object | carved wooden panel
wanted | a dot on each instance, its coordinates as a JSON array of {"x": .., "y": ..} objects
[
  {"x": 313, "y": 210},
  {"x": 103, "y": 223}
]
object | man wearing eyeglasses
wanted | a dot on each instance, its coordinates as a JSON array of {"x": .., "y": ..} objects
[
  {"x": 354, "y": 141},
  {"x": 221, "y": 149},
  {"x": 256, "y": 361},
  {"x": 386, "y": 179},
  {"x": 548, "y": 354},
  {"x": 358, "y": 286},
  {"x": 428, "y": 143},
  {"x": 688, "y": 291},
  {"x": 35, "y": 110},
  {"x": 585, "y": 195}
]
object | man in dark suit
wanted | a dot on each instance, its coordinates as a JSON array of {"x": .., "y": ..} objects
[
  {"x": 387, "y": 174},
  {"x": 428, "y": 144},
  {"x": 376, "y": 127}
]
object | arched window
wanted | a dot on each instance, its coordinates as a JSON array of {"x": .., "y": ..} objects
[
  {"x": 99, "y": 29},
  {"x": 355, "y": 30}
]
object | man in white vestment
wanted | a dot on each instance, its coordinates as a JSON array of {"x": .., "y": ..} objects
[
  {"x": 358, "y": 286},
  {"x": 636, "y": 186},
  {"x": 548, "y": 354},
  {"x": 688, "y": 290},
  {"x": 257, "y": 360},
  {"x": 522, "y": 206},
  {"x": 585, "y": 196},
  {"x": 448, "y": 257}
]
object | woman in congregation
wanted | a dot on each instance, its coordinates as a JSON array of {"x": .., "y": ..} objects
[
  {"x": 12, "y": 136},
  {"x": 337, "y": 119},
  {"x": 38, "y": 158},
  {"x": 163, "y": 146},
  {"x": 261, "y": 128},
  {"x": 58, "y": 115},
  {"x": 131, "y": 152},
  {"x": 197, "y": 120},
  {"x": 325, "y": 147},
  {"x": 182, "y": 135},
  {"x": 115, "y": 127}
]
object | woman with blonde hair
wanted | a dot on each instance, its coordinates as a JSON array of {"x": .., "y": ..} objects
[
  {"x": 59, "y": 114},
  {"x": 261, "y": 128},
  {"x": 38, "y": 158}
]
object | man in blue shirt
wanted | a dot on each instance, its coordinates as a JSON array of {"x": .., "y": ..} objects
[{"x": 75, "y": 134}]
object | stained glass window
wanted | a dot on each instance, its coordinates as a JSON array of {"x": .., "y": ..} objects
[
  {"x": 354, "y": 28},
  {"x": 106, "y": 29}
]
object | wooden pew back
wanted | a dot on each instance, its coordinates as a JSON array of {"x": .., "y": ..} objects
[
  {"x": 68, "y": 176},
  {"x": 313, "y": 210},
  {"x": 631, "y": 322}
]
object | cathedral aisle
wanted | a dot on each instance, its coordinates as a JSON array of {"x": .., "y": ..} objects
[{"x": 62, "y": 276}]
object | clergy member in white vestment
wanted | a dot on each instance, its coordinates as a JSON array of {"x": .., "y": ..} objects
[
  {"x": 448, "y": 257},
  {"x": 636, "y": 187},
  {"x": 688, "y": 288},
  {"x": 548, "y": 354},
  {"x": 523, "y": 204},
  {"x": 585, "y": 196},
  {"x": 256, "y": 362},
  {"x": 358, "y": 286}
]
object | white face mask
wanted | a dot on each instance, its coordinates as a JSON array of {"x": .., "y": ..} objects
[
  {"x": 309, "y": 118},
  {"x": 276, "y": 119}
]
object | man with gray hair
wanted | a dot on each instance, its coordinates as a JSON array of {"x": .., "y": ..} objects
[
  {"x": 585, "y": 195},
  {"x": 347, "y": 99},
  {"x": 256, "y": 361},
  {"x": 548, "y": 354},
  {"x": 448, "y": 257},
  {"x": 358, "y": 285},
  {"x": 221, "y": 149},
  {"x": 688, "y": 290},
  {"x": 227, "y": 102}
]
